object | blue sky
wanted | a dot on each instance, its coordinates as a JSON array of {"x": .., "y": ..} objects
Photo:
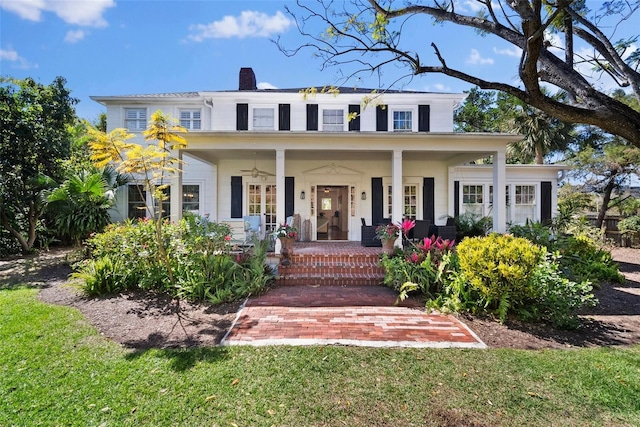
[{"x": 118, "y": 47}]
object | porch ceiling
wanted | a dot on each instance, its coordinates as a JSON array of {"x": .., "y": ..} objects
[{"x": 214, "y": 156}]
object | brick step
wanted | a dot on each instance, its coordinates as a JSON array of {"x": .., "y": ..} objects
[
  {"x": 323, "y": 280},
  {"x": 331, "y": 270},
  {"x": 325, "y": 270}
]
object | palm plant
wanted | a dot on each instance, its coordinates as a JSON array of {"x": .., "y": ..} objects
[
  {"x": 80, "y": 205},
  {"x": 542, "y": 133}
]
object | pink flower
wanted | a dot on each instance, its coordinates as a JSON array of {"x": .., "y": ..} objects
[
  {"x": 414, "y": 258},
  {"x": 227, "y": 238},
  {"x": 407, "y": 225},
  {"x": 426, "y": 244}
]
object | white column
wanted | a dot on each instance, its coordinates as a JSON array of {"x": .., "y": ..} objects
[
  {"x": 396, "y": 183},
  {"x": 499, "y": 192},
  {"x": 175, "y": 191},
  {"x": 280, "y": 215}
]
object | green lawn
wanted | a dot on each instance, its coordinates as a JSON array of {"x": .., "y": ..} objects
[{"x": 55, "y": 369}]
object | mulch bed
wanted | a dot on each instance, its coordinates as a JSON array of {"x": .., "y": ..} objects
[{"x": 144, "y": 320}]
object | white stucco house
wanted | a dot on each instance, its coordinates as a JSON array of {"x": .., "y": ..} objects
[{"x": 275, "y": 153}]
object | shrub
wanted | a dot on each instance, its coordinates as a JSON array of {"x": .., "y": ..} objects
[
  {"x": 630, "y": 228},
  {"x": 126, "y": 256},
  {"x": 421, "y": 265},
  {"x": 582, "y": 260},
  {"x": 472, "y": 225},
  {"x": 557, "y": 298},
  {"x": 582, "y": 257},
  {"x": 500, "y": 268}
]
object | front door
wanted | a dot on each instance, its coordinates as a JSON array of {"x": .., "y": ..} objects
[{"x": 332, "y": 221}]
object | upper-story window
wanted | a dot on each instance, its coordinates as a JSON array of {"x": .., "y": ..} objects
[
  {"x": 333, "y": 120},
  {"x": 402, "y": 121},
  {"x": 263, "y": 119},
  {"x": 191, "y": 119},
  {"x": 135, "y": 118}
]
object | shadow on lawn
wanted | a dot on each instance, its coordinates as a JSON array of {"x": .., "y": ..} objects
[{"x": 185, "y": 358}]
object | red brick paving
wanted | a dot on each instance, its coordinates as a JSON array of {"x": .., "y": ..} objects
[{"x": 353, "y": 315}]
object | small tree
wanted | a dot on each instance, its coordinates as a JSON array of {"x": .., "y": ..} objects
[
  {"x": 34, "y": 130},
  {"x": 153, "y": 163}
]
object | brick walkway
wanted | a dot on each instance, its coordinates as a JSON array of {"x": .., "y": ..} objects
[{"x": 353, "y": 315}]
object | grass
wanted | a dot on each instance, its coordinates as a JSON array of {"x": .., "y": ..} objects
[{"x": 55, "y": 369}]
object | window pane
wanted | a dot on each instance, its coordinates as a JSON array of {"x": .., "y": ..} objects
[
  {"x": 263, "y": 119},
  {"x": 402, "y": 121},
  {"x": 136, "y": 207},
  {"x": 333, "y": 120},
  {"x": 191, "y": 198}
]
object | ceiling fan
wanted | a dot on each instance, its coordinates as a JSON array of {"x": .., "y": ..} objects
[{"x": 255, "y": 172}]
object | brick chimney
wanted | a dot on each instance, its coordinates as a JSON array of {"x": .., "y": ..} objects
[{"x": 247, "y": 79}]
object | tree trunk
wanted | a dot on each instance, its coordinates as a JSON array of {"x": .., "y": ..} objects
[
  {"x": 539, "y": 155},
  {"x": 24, "y": 245},
  {"x": 606, "y": 198}
]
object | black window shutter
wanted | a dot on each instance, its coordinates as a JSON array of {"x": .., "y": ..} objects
[
  {"x": 236, "y": 197},
  {"x": 354, "y": 123},
  {"x": 545, "y": 202},
  {"x": 377, "y": 201},
  {"x": 242, "y": 116},
  {"x": 423, "y": 118},
  {"x": 289, "y": 186},
  {"x": 428, "y": 200},
  {"x": 456, "y": 198},
  {"x": 284, "y": 117},
  {"x": 382, "y": 118},
  {"x": 312, "y": 116}
]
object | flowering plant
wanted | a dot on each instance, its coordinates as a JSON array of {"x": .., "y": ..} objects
[
  {"x": 392, "y": 231},
  {"x": 286, "y": 230}
]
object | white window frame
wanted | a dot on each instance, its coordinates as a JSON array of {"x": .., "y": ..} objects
[
  {"x": 475, "y": 194},
  {"x": 530, "y": 195},
  {"x": 142, "y": 213},
  {"x": 138, "y": 120},
  {"x": 339, "y": 125},
  {"x": 403, "y": 109},
  {"x": 197, "y": 195},
  {"x": 402, "y": 120},
  {"x": 191, "y": 118},
  {"x": 254, "y": 117}
]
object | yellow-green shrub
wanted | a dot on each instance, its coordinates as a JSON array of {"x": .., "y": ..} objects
[{"x": 500, "y": 268}]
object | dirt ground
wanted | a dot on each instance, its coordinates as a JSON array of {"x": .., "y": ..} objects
[{"x": 141, "y": 321}]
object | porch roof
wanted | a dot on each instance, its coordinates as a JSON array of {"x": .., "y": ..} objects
[{"x": 452, "y": 148}]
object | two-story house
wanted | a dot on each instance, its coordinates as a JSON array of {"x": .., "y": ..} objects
[{"x": 333, "y": 159}]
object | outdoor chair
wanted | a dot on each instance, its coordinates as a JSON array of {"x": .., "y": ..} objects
[{"x": 368, "y": 235}]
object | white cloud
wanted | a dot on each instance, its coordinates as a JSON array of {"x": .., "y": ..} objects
[
  {"x": 74, "y": 36},
  {"x": 248, "y": 24},
  {"x": 12, "y": 56},
  {"x": 476, "y": 59},
  {"x": 556, "y": 45},
  {"x": 265, "y": 85},
  {"x": 515, "y": 52},
  {"x": 8, "y": 55},
  {"x": 439, "y": 87},
  {"x": 87, "y": 13}
]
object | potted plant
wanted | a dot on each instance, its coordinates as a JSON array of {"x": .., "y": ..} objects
[
  {"x": 389, "y": 233},
  {"x": 287, "y": 234}
]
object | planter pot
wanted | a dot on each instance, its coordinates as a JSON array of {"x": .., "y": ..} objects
[
  {"x": 388, "y": 246},
  {"x": 286, "y": 251}
]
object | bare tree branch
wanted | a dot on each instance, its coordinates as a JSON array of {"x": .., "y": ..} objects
[{"x": 365, "y": 36}]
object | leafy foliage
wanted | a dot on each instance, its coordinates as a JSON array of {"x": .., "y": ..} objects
[
  {"x": 34, "y": 129},
  {"x": 125, "y": 257},
  {"x": 470, "y": 224},
  {"x": 80, "y": 206},
  {"x": 421, "y": 268},
  {"x": 499, "y": 268},
  {"x": 582, "y": 258}
]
